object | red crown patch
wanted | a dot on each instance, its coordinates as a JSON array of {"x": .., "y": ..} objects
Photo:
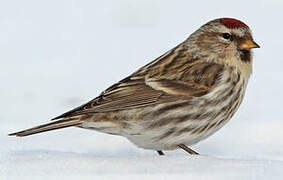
[{"x": 232, "y": 23}]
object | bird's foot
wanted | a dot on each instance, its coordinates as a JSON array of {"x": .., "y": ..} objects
[
  {"x": 160, "y": 153},
  {"x": 188, "y": 150}
]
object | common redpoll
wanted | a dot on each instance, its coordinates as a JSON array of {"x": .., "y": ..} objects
[{"x": 178, "y": 99}]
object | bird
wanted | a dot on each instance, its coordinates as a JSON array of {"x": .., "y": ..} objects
[{"x": 178, "y": 99}]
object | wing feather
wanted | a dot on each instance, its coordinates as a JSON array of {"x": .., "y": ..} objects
[{"x": 150, "y": 86}]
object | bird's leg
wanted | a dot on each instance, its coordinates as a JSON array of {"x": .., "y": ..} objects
[
  {"x": 190, "y": 151},
  {"x": 160, "y": 153}
]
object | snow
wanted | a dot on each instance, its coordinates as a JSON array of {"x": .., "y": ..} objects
[
  {"x": 56, "y": 55},
  {"x": 69, "y": 165}
]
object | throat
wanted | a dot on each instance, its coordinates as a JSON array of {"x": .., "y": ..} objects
[{"x": 245, "y": 55}]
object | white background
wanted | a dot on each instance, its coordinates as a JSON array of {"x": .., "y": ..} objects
[{"x": 56, "y": 55}]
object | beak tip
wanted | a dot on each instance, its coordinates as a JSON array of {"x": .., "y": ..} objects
[{"x": 257, "y": 46}]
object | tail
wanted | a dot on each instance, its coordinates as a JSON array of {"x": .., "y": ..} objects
[{"x": 48, "y": 127}]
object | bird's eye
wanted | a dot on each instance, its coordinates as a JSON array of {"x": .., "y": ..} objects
[{"x": 226, "y": 35}]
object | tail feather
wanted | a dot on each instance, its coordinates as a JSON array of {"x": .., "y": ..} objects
[{"x": 47, "y": 127}]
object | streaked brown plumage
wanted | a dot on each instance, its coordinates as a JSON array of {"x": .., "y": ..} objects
[{"x": 180, "y": 98}]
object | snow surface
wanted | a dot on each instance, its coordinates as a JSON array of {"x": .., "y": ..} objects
[
  {"x": 68, "y": 165},
  {"x": 56, "y": 55}
]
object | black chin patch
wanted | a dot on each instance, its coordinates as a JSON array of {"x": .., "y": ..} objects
[{"x": 245, "y": 55}]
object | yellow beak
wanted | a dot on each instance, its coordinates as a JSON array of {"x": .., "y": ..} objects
[{"x": 248, "y": 44}]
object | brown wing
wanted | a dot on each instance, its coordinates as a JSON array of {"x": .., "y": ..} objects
[{"x": 152, "y": 85}]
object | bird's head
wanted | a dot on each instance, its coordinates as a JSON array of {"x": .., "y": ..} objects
[{"x": 224, "y": 39}]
